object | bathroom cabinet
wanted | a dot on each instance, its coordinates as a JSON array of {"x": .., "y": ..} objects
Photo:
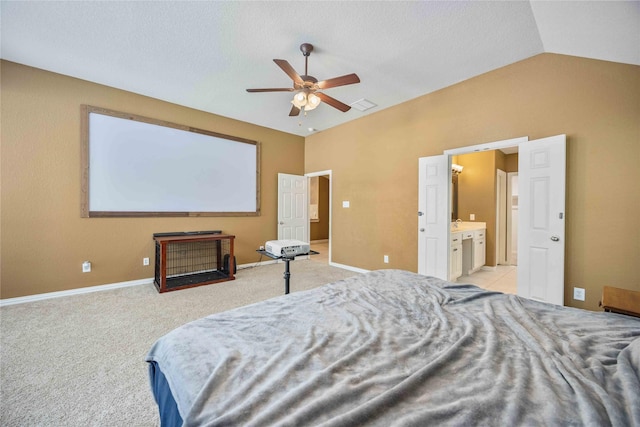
[
  {"x": 467, "y": 248},
  {"x": 479, "y": 249}
]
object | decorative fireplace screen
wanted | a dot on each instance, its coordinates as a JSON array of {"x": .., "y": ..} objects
[{"x": 185, "y": 260}]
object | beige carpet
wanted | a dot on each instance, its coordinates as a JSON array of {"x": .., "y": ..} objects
[{"x": 79, "y": 360}]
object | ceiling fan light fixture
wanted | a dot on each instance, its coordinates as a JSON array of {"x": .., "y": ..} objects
[
  {"x": 300, "y": 99},
  {"x": 313, "y": 101}
]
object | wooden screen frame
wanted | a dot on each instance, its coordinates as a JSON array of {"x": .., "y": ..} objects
[{"x": 86, "y": 110}]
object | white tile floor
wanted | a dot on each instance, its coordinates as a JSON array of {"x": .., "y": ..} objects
[{"x": 502, "y": 279}]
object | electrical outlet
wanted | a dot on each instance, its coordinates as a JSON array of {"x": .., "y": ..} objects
[
  {"x": 86, "y": 267},
  {"x": 386, "y": 259},
  {"x": 261, "y": 248},
  {"x": 578, "y": 294},
  {"x": 145, "y": 261},
  {"x": 472, "y": 217}
]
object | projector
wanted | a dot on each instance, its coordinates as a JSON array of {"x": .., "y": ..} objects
[{"x": 286, "y": 248}]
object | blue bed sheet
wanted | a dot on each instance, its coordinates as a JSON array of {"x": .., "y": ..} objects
[{"x": 169, "y": 414}]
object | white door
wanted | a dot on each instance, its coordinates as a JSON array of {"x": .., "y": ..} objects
[
  {"x": 293, "y": 216},
  {"x": 434, "y": 216},
  {"x": 541, "y": 175}
]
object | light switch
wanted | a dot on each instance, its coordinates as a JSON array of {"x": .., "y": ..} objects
[{"x": 345, "y": 203}]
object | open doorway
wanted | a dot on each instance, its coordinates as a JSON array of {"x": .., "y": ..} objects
[
  {"x": 320, "y": 215},
  {"x": 541, "y": 205},
  {"x": 483, "y": 202}
]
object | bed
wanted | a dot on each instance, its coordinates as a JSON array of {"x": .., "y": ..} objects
[{"x": 391, "y": 347}]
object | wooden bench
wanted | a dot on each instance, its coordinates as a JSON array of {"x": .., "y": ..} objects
[{"x": 623, "y": 301}]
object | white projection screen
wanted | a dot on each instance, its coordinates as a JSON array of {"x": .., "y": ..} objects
[{"x": 137, "y": 166}]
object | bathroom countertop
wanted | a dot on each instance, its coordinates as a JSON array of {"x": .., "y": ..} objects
[{"x": 467, "y": 226}]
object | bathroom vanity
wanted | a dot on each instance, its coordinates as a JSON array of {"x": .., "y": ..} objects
[{"x": 467, "y": 248}]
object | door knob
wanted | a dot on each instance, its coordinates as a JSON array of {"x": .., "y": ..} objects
[
  {"x": 422, "y": 229},
  {"x": 281, "y": 223},
  {"x": 420, "y": 213},
  {"x": 555, "y": 238}
]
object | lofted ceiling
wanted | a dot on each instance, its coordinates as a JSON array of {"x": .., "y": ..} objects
[{"x": 205, "y": 54}]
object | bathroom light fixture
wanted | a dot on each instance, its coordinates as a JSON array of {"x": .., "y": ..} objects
[{"x": 456, "y": 169}]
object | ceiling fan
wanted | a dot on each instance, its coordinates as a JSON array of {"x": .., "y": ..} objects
[{"x": 307, "y": 87}]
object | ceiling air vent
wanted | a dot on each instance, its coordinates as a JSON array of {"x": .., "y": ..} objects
[{"x": 363, "y": 105}]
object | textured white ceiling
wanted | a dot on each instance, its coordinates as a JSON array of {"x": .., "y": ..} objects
[{"x": 205, "y": 54}]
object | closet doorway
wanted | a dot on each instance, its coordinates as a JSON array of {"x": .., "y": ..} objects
[{"x": 320, "y": 215}]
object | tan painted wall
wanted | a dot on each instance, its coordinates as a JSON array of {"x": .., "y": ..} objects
[
  {"x": 44, "y": 239},
  {"x": 511, "y": 163},
  {"x": 477, "y": 195},
  {"x": 375, "y": 162}
]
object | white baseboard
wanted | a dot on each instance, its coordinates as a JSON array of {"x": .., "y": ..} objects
[
  {"x": 255, "y": 264},
  {"x": 348, "y": 267},
  {"x": 489, "y": 268},
  {"x": 320, "y": 241},
  {"x": 99, "y": 288},
  {"x": 79, "y": 291}
]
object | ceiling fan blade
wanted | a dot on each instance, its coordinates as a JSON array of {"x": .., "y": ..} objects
[
  {"x": 294, "y": 111},
  {"x": 287, "y": 68},
  {"x": 348, "y": 79},
  {"x": 333, "y": 102},
  {"x": 276, "y": 89}
]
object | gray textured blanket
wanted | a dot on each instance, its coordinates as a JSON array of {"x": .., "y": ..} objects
[{"x": 395, "y": 348}]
